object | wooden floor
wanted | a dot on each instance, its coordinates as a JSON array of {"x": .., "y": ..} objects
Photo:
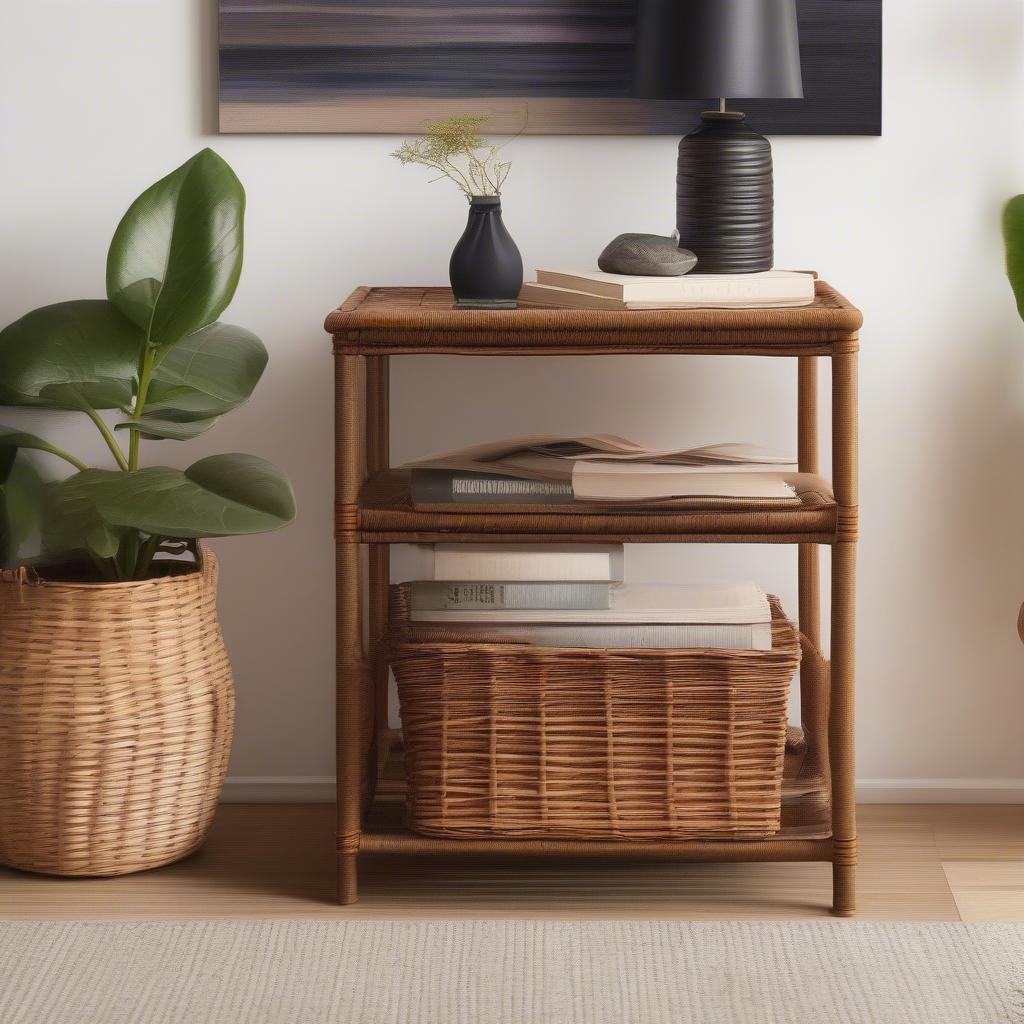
[{"x": 918, "y": 863}]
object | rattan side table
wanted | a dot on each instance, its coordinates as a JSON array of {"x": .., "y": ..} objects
[{"x": 373, "y": 507}]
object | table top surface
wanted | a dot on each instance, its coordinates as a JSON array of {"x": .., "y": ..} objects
[{"x": 397, "y": 320}]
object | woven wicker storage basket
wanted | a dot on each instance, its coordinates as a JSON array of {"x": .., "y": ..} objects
[
  {"x": 505, "y": 739},
  {"x": 116, "y": 712}
]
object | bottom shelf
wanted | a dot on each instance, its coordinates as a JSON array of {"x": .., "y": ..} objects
[{"x": 805, "y": 832}]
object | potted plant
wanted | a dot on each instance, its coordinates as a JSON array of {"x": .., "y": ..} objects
[
  {"x": 116, "y": 697},
  {"x": 486, "y": 269}
]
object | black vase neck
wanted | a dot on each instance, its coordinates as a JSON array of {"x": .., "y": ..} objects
[{"x": 485, "y": 204}]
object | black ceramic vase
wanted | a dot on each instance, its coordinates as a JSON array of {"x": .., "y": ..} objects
[
  {"x": 724, "y": 196},
  {"x": 486, "y": 269}
]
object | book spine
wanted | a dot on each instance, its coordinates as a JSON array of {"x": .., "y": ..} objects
[
  {"x": 755, "y": 637},
  {"x": 457, "y": 564},
  {"x": 440, "y": 487},
  {"x": 437, "y": 596}
]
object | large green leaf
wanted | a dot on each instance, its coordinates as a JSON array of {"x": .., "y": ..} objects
[
  {"x": 1013, "y": 235},
  {"x": 70, "y": 353},
  {"x": 175, "y": 258},
  {"x": 207, "y": 374},
  {"x": 21, "y": 492},
  {"x": 218, "y": 496}
]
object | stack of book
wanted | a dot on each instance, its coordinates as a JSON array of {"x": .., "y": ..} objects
[
  {"x": 548, "y": 469},
  {"x": 573, "y": 595},
  {"x": 769, "y": 289}
]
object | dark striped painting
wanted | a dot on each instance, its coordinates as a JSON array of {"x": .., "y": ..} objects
[{"x": 559, "y": 66}]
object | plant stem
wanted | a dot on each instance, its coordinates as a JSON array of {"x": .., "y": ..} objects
[
  {"x": 145, "y": 376},
  {"x": 103, "y": 567},
  {"x": 112, "y": 444},
  {"x": 145, "y": 559},
  {"x": 67, "y": 457},
  {"x": 128, "y": 555}
]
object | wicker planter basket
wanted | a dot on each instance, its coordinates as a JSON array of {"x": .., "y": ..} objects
[
  {"x": 504, "y": 739},
  {"x": 116, "y": 713}
]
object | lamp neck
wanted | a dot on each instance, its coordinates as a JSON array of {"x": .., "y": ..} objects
[{"x": 722, "y": 115}]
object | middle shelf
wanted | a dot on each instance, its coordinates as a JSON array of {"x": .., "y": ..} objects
[{"x": 386, "y": 514}]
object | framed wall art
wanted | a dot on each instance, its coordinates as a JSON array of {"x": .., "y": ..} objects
[{"x": 561, "y": 67}]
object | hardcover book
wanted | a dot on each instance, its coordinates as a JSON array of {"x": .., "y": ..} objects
[
  {"x": 517, "y": 562},
  {"x": 738, "y": 637},
  {"x": 704, "y": 604},
  {"x": 600, "y": 290}
]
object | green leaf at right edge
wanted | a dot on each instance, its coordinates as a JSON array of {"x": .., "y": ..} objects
[
  {"x": 70, "y": 353},
  {"x": 1013, "y": 236},
  {"x": 176, "y": 256}
]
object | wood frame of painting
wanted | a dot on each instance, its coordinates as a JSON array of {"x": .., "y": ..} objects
[{"x": 561, "y": 67}]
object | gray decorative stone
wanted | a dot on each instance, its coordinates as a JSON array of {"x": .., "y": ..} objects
[{"x": 650, "y": 255}]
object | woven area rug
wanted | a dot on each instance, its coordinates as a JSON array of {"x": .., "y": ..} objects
[{"x": 519, "y": 972}]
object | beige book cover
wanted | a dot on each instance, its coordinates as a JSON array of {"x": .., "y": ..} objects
[{"x": 768, "y": 286}]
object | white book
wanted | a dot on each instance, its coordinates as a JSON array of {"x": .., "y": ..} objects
[
  {"x": 704, "y": 604},
  {"x": 765, "y": 287},
  {"x": 594, "y": 481},
  {"x": 517, "y": 562},
  {"x": 755, "y": 636}
]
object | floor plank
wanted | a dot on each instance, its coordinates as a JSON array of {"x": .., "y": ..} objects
[
  {"x": 988, "y": 890},
  {"x": 922, "y": 862}
]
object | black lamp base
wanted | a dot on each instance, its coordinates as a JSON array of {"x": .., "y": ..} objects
[{"x": 724, "y": 196}]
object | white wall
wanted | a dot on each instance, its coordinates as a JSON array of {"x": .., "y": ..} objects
[{"x": 101, "y": 98}]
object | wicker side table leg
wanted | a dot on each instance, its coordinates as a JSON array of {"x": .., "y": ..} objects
[
  {"x": 352, "y": 670},
  {"x": 844, "y": 570},
  {"x": 378, "y": 571},
  {"x": 841, "y": 732}
]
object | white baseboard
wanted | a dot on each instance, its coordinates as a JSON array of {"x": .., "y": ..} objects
[
  {"x": 940, "y": 791},
  {"x": 319, "y": 789}
]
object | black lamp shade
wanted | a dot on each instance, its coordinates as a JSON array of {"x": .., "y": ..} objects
[{"x": 701, "y": 49}]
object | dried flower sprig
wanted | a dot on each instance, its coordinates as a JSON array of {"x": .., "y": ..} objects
[{"x": 454, "y": 148}]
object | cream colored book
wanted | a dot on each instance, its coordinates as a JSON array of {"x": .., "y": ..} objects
[
  {"x": 548, "y": 296},
  {"x": 473, "y": 563},
  {"x": 769, "y": 287},
  {"x": 754, "y": 636},
  {"x": 596, "y": 481}
]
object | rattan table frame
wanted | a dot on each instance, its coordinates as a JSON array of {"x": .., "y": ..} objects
[{"x": 376, "y": 323}]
